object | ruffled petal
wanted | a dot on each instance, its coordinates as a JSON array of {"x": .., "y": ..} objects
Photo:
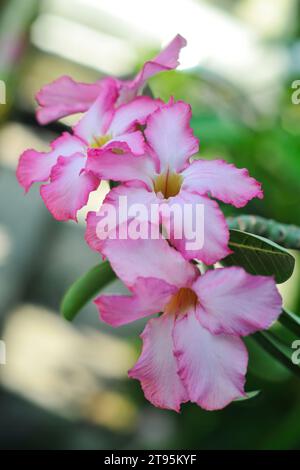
[
  {"x": 129, "y": 260},
  {"x": 232, "y": 301},
  {"x": 197, "y": 237},
  {"x": 111, "y": 165},
  {"x": 212, "y": 367},
  {"x": 64, "y": 96},
  {"x": 156, "y": 368},
  {"x": 169, "y": 134},
  {"x": 149, "y": 296},
  {"x": 94, "y": 124},
  {"x": 128, "y": 115},
  {"x": 69, "y": 188},
  {"x": 134, "y": 140},
  {"x": 36, "y": 166},
  {"x": 91, "y": 237},
  {"x": 167, "y": 59},
  {"x": 117, "y": 210},
  {"x": 169, "y": 55},
  {"x": 223, "y": 181},
  {"x": 129, "y": 256}
]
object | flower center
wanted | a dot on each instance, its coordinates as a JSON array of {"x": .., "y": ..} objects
[
  {"x": 168, "y": 184},
  {"x": 98, "y": 142},
  {"x": 182, "y": 301}
]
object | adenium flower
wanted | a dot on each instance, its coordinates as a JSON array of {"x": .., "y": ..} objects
[
  {"x": 65, "y": 96},
  {"x": 166, "y": 175},
  {"x": 103, "y": 126},
  {"x": 193, "y": 351}
]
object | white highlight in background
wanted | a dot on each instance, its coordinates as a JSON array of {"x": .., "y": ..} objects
[
  {"x": 83, "y": 44},
  {"x": 216, "y": 39}
]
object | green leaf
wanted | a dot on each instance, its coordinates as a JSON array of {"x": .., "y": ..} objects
[
  {"x": 262, "y": 364},
  {"x": 85, "y": 288},
  {"x": 257, "y": 255},
  {"x": 277, "y": 349},
  {"x": 248, "y": 396},
  {"x": 290, "y": 321}
]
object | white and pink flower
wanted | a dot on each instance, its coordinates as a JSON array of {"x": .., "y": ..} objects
[
  {"x": 165, "y": 174},
  {"x": 193, "y": 351},
  {"x": 65, "y": 96},
  {"x": 103, "y": 126}
]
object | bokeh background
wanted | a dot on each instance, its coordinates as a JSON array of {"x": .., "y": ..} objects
[{"x": 65, "y": 385}]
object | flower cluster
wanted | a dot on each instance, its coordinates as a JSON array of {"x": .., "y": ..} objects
[{"x": 192, "y": 351}]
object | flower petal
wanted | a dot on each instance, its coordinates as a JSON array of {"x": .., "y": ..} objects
[
  {"x": 64, "y": 96},
  {"x": 125, "y": 167},
  {"x": 213, "y": 228},
  {"x": 69, "y": 188},
  {"x": 169, "y": 134},
  {"x": 167, "y": 59},
  {"x": 169, "y": 54},
  {"x": 223, "y": 181},
  {"x": 116, "y": 211},
  {"x": 36, "y": 166},
  {"x": 129, "y": 260},
  {"x": 129, "y": 256},
  {"x": 156, "y": 367},
  {"x": 149, "y": 296},
  {"x": 212, "y": 367},
  {"x": 232, "y": 301},
  {"x": 134, "y": 140},
  {"x": 94, "y": 242},
  {"x": 95, "y": 122},
  {"x": 137, "y": 111}
]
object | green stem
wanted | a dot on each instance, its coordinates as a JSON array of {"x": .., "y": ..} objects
[{"x": 85, "y": 289}]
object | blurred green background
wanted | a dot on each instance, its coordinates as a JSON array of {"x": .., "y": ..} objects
[{"x": 65, "y": 386}]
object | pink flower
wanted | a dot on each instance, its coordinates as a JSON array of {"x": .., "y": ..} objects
[
  {"x": 65, "y": 96},
  {"x": 193, "y": 351},
  {"x": 102, "y": 126},
  {"x": 164, "y": 175}
]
